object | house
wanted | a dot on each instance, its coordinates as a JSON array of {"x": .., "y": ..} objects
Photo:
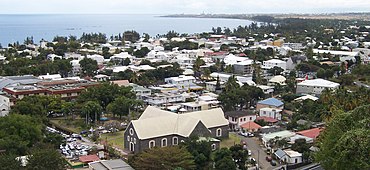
[
  {"x": 266, "y": 138},
  {"x": 88, "y": 158},
  {"x": 293, "y": 61},
  {"x": 315, "y": 86},
  {"x": 199, "y": 105},
  {"x": 288, "y": 156},
  {"x": 243, "y": 67},
  {"x": 159, "y": 99},
  {"x": 279, "y": 79},
  {"x": 5, "y": 103},
  {"x": 211, "y": 86},
  {"x": 251, "y": 126},
  {"x": 116, "y": 164},
  {"x": 298, "y": 136},
  {"x": 141, "y": 92},
  {"x": 268, "y": 90},
  {"x": 271, "y": 112},
  {"x": 343, "y": 55},
  {"x": 268, "y": 120},
  {"x": 306, "y": 97},
  {"x": 238, "y": 118},
  {"x": 270, "y": 103},
  {"x": 181, "y": 82},
  {"x": 161, "y": 128},
  {"x": 121, "y": 82},
  {"x": 311, "y": 133},
  {"x": 269, "y": 64}
]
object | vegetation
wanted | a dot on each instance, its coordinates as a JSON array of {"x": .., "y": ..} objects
[
  {"x": 158, "y": 158},
  {"x": 88, "y": 66},
  {"x": 235, "y": 97},
  {"x": 345, "y": 142}
]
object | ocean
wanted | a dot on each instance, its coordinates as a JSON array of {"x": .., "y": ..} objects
[{"x": 17, "y": 27}]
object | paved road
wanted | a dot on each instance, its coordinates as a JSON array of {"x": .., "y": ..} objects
[{"x": 254, "y": 145}]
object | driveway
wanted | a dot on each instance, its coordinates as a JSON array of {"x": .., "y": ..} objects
[{"x": 258, "y": 153}]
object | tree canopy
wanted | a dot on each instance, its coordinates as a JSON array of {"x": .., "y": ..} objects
[
  {"x": 344, "y": 144},
  {"x": 158, "y": 158}
]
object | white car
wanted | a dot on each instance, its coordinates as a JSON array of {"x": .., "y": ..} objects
[{"x": 249, "y": 152}]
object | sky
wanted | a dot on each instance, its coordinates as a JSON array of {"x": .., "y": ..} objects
[{"x": 180, "y": 6}]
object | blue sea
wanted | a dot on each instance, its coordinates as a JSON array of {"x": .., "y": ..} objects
[{"x": 17, "y": 27}]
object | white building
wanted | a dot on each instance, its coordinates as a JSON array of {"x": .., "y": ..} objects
[
  {"x": 270, "y": 112},
  {"x": 98, "y": 58},
  {"x": 315, "y": 86},
  {"x": 238, "y": 118},
  {"x": 181, "y": 82},
  {"x": 5, "y": 104},
  {"x": 289, "y": 156},
  {"x": 269, "y": 64},
  {"x": 343, "y": 55}
]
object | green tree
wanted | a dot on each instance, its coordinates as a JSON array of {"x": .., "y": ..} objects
[
  {"x": 239, "y": 155},
  {"x": 9, "y": 162},
  {"x": 92, "y": 111},
  {"x": 46, "y": 159},
  {"x": 344, "y": 144},
  {"x": 88, "y": 66},
  {"x": 64, "y": 67},
  {"x": 159, "y": 158},
  {"x": 276, "y": 71},
  {"x": 223, "y": 159},
  {"x": 201, "y": 151},
  {"x": 18, "y": 133}
]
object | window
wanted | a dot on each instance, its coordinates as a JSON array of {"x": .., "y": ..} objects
[
  {"x": 175, "y": 141},
  {"x": 250, "y": 118},
  {"x": 151, "y": 144},
  {"x": 128, "y": 138},
  {"x": 296, "y": 160},
  {"x": 245, "y": 119},
  {"x": 134, "y": 140},
  {"x": 219, "y": 132},
  {"x": 213, "y": 146},
  {"x": 164, "y": 142},
  {"x": 131, "y": 131}
]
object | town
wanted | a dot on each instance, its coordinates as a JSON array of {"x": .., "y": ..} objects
[{"x": 292, "y": 94}]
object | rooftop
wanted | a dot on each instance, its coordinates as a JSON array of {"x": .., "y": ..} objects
[
  {"x": 272, "y": 102},
  {"x": 319, "y": 82},
  {"x": 311, "y": 133}
]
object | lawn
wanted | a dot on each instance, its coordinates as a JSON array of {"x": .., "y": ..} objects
[
  {"x": 232, "y": 140},
  {"x": 114, "y": 139},
  {"x": 74, "y": 126}
]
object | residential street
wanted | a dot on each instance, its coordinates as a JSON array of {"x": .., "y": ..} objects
[{"x": 257, "y": 151}]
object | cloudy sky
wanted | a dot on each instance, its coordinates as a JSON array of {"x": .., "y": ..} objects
[{"x": 180, "y": 6}]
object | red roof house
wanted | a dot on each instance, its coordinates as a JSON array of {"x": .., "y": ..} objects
[
  {"x": 88, "y": 158},
  {"x": 251, "y": 126},
  {"x": 267, "y": 119},
  {"x": 311, "y": 133}
]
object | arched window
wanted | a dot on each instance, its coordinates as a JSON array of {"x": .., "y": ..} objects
[
  {"x": 151, "y": 144},
  {"x": 219, "y": 132},
  {"x": 175, "y": 141},
  {"x": 131, "y": 131},
  {"x": 213, "y": 146},
  {"x": 164, "y": 142}
]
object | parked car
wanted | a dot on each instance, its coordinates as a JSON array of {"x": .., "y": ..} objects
[
  {"x": 249, "y": 152},
  {"x": 268, "y": 158},
  {"x": 273, "y": 163}
]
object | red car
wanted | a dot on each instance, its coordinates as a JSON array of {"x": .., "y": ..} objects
[{"x": 268, "y": 158}]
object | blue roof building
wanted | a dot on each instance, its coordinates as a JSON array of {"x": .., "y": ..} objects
[{"x": 270, "y": 102}]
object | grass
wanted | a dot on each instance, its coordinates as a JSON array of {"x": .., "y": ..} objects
[
  {"x": 114, "y": 139},
  {"x": 232, "y": 140},
  {"x": 74, "y": 126}
]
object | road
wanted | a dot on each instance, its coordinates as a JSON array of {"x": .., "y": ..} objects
[{"x": 254, "y": 145}]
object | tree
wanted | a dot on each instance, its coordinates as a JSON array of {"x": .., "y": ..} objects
[
  {"x": 201, "y": 151},
  {"x": 344, "y": 144},
  {"x": 64, "y": 67},
  {"x": 131, "y": 36},
  {"x": 68, "y": 108},
  {"x": 45, "y": 159},
  {"x": 223, "y": 160},
  {"x": 120, "y": 106},
  {"x": 158, "y": 158},
  {"x": 88, "y": 66},
  {"x": 9, "y": 162},
  {"x": 142, "y": 52},
  {"x": 126, "y": 62},
  {"x": 92, "y": 111},
  {"x": 196, "y": 67},
  {"x": 276, "y": 71},
  {"x": 18, "y": 133},
  {"x": 239, "y": 155},
  {"x": 105, "y": 93}
]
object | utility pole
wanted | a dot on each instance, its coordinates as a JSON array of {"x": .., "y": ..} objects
[{"x": 258, "y": 159}]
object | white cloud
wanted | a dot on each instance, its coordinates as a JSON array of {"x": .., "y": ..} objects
[{"x": 182, "y": 6}]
